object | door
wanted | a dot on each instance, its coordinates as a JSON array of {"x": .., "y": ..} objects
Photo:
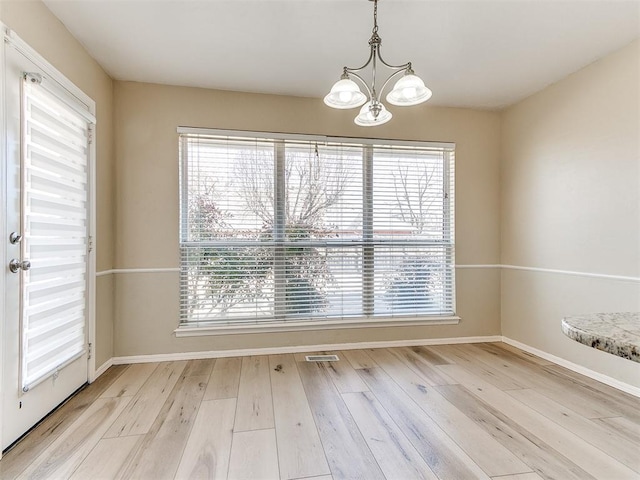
[{"x": 46, "y": 297}]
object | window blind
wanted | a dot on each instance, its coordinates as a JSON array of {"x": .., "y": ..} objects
[
  {"x": 54, "y": 196},
  {"x": 290, "y": 228}
]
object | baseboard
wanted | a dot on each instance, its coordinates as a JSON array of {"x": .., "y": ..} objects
[
  {"x": 167, "y": 357},
  {"x": 587, "y": 372},
  {"x": 103, "y": 368}
]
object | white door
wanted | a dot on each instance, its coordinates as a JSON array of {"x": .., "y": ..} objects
[{"x": 46, "y": 297}]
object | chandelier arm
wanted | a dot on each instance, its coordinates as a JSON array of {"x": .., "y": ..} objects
[
  {"x": 352, "y": 70},
  {"x": 401, "y": 67},
  {"x": 361, "y": 81},
  {"x": 393, "y": 75}
]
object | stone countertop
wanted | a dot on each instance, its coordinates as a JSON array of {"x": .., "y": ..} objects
[{"x": 615, "y": 333}]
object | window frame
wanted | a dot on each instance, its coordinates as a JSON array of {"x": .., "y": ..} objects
[{"x": 367, "y": 319}]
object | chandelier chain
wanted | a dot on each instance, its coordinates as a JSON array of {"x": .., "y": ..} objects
[{"x": 375, "y": 17}]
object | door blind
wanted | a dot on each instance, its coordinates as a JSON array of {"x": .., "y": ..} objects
[
  {"x": 55, "y": 226},
  {"x": 297, "y": 229}
]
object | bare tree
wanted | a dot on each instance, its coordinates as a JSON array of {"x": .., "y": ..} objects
[
  {"x": 206, "y": 220},
  {"x": 236, "y": 275},
  {"x": 411, "y": 284},
  {"x": 226, "y": 275},
  {"x": 312, "y": 186},
  {"x": 254, "y": 173},
  {"x": 412, "y": 195}
]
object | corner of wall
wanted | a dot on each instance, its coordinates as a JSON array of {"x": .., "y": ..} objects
[
  {"x": 502, "y": 161},
  {"x": 568, "y": 190}
]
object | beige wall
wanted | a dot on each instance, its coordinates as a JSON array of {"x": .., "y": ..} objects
[
  {"x": 147, "y": 116},
  {"x": 37, "y": 26},
  {"x": 570, "y": 183},
  {"x": 565, "y": 195}
]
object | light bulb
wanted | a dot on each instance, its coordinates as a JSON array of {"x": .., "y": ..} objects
[
  {"x": 409, "y": 90},
  {"x": 345, "y": 93},
  {"x": 345, "y": 96}
]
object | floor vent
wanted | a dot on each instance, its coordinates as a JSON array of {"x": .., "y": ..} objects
[{"x": 322, "y": 358}]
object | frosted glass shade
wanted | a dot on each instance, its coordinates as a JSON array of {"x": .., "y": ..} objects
[
  {"x": 345, "y": 93},
  {"x": 407, "y": 91},
  {"x": 366, "y": 119}
]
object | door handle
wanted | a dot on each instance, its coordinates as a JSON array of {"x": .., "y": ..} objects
[{"x": 15, "y": 265}]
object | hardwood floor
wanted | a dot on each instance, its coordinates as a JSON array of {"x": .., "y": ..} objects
[{"x": 444, "y": 412}]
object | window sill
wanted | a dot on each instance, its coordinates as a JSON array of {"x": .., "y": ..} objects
[{"x": 297, "y": 326}]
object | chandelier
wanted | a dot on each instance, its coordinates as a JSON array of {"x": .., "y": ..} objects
[{"x": 345, "y": 93}]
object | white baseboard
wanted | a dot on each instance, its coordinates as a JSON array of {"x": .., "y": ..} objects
[
  {"x": 587, "y": 372},
  {"x": 103, "y": 368},
  {"x": 167, "y": 357}
]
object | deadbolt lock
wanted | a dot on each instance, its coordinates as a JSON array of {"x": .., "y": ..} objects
[{"x": 15, "y": 237}]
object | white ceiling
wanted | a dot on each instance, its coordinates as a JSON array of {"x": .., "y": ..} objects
[{"x": 479, "y": 53}]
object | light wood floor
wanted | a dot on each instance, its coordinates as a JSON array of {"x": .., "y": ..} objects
[{"x": 441, "y": 412}]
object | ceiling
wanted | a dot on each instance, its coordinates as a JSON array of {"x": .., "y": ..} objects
[{"x": 477, "y": 53}]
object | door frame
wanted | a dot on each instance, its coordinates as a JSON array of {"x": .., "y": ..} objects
[{"x": 11, "y": 40}]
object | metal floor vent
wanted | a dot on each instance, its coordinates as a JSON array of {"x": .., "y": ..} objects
[{"x": 321, "y": 358}]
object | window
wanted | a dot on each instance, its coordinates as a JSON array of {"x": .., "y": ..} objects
[{"x": 285, "y": 228}]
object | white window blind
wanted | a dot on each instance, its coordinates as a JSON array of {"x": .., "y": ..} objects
[
  {"x": 54, "y": 196},
  {"x": 290, "y": 228}
]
